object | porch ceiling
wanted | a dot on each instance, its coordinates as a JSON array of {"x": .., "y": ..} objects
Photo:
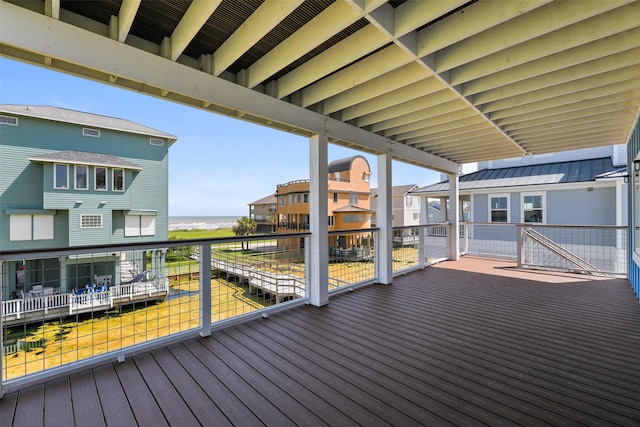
[{"x": 435, "y": 83}]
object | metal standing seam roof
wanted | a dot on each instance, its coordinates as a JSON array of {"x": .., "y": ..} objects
[
  {"x": 85, "y": 158},
  {"x": 84, "y": 119},
  {"x": 345, "y": 164},
  {"x": 541, "y": 174}
]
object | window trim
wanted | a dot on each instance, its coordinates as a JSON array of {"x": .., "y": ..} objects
[
  {"x": 55, "y": 176},
  {"x": 113, "y": 180},
  {"x": 508, "y": 209},
  {"x": 543, "y": 195},
  {"x": 13, "y": 121},
  {"x": 75, "y": 177},
  {"x": 90, "y": 227},
  {"x": 93, "y": 133},
  {"x": 95, "y": 178}
]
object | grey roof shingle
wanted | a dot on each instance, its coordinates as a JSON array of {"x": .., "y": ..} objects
[
  {"x": 546, "y": 173},
  {"x": 84, "y": 119},
  {"x": 85, "y": 158}
]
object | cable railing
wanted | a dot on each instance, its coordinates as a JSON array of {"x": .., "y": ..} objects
[
  {"x": 69, "y": 308},
  {"x": 351, "y": 258}
]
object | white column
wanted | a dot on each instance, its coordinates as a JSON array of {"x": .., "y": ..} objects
[
  {"x": 384, "y": 249},
  {"x": 422, "y": 231},
  {"x": 318, "y": 265},
  {"x": 454, "y": 214},
  {"x": 205, "y": 290}
]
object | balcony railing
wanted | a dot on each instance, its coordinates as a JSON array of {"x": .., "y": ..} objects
[{"x": 62, "y": 321}]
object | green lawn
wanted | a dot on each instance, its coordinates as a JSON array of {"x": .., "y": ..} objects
[{"x": 200, "y": 234}]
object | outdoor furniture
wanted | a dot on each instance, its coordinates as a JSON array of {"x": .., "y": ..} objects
[{"x": 137, "y": 278}]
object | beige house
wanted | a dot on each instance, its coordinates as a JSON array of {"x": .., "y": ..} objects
[{"x": 263, "y": 212}]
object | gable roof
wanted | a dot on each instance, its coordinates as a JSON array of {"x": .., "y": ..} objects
[
  {"x": 85, "y": 158},
  {"x": 540, "y": 174},
  {"x": 268, "y": 200},
  {"x": 398, "y": 190},
  {"x": 84, "y": 119}
]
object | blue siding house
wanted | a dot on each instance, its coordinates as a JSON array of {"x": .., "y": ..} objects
[
  {"x": 69, "y": 178},
  {"x": 633, "y": 152}
]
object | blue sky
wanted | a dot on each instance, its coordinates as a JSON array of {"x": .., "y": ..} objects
[{"x": 218, "y": 165}]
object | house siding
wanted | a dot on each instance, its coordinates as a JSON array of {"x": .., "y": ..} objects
[
  {"x": 581, "y": 207},
  {"x": 633, "y": 149},
  {"x": 28, "y": 185}
]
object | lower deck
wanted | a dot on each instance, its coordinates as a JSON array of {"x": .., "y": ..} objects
[{"x": 461, "y": 343}]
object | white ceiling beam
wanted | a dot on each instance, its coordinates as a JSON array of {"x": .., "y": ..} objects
[
  {"x": 419, "y": 115},
  {"x": 449, "y": 126},
  {"x": 52, "y": 8},
  {"x": 388, "y": 25},
  {"x": 550, "y": 121},
  {"x": 418, "y": 104},
  {"x": 264, "y": 19},
  {"x": 194, "y": 18},
  {"x": 127, "y": 13},
  {"x": 550, "y": 17},
  {"x": 598, "y": 27},
  {"x": 450, "y": 115},
  {"x": 576, "y": 55},
  {"x": 459, "y": 132},
  {"x": 473, "y": 19},
  {"x": 554, "y": 111},
  {"x": 341, "y": 54},
  {"x": 331, "y": 20},
  {"x": 31, "y": 34},
  {"x": 570, "y": 90},
  {"x": 611, "y": 119},
  {"x": 354, "y": 102},
  {"x": 615, "y": 66}
]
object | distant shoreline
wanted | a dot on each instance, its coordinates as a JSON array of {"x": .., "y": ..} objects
[{"x": 177, "y": 223}]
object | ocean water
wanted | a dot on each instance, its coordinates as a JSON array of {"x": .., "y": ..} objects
[{"x": 201, "y": 222}]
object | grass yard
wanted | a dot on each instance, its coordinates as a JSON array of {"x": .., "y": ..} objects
[
  {"x": 70, "y": 340},
  {"x": 200, "y": 234}
]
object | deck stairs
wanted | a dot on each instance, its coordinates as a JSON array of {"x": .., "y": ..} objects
[{"x": 559, "y": 251}]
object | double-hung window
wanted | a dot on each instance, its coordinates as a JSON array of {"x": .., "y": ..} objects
[
  {"x": 498, "y": 208},
  {"x": 118, "y": 179},
  {"x": 100, "y": 178},
  {"x": 532, "y": 207},
  {"x": 60, "y": 176},
  {"x": 353, "y": 199},
  {"x": 81, "y": 181}
]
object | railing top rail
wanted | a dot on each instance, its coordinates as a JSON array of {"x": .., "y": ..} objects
[
  {"x": 354, "y": 230},
  {"x": 537, "y": 224},
  {"x": 158, "y": 244}
]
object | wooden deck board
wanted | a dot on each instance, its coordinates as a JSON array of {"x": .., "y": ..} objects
[
  {"x": 57, "y": 403},
  {"x": 467, "y": 343},
  {"x": 87, "y": 409},
  {"x": 112, "y": 397}
]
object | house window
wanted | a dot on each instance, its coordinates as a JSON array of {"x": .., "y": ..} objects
[
  {"x": 8, "y": 120},
  {"x": 305, "y": 197},
  {"x": 416, "y": 216},
  {"x": 335, "y": 197},
  {"x": 281, "y": 200},
  {"x": 90, "y": 221},
  {"x": 533, "y": 207},
  {"x": 61, "y": 176},
  {"x": 366, "y": 177},
  {"x": 352, "y": 218},
  {"x": 331, "y": 221},
  {"x": 292, "y": 199},
  {"x": 82, "y": 178},
  {"x": 298, "y": 198},
  {"x": 409, "y": 201},
  {"x": 499, "y": 208},
  {"x": 353, "y": 199},
  {"x": 139, "y": 225},
  {"x": 91, "y": 132},
  {"x": 30, "y": 227},
  {"x": 118, "y": 180},
  {"x": 100, "y": 178}
]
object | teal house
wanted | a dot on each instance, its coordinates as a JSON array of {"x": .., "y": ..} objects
[{"x": 69, "y": 179}]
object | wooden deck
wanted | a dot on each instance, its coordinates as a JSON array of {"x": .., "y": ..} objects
[{"x": 467, "y": 343}]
